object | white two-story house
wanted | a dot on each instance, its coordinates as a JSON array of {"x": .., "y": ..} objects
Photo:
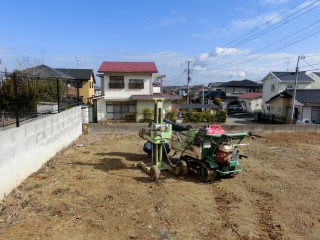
[
  {"x": 126, "y": 87},
  {"x": 276, "y": 82}
]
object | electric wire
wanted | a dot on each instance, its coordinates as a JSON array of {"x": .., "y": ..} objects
[
  {"x": 266, "y": 23},
  {"x": 264, "y": 31},
  {"x": 286, "y": 44}
]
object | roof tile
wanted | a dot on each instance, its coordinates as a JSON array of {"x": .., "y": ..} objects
[
  {"x": 251, "y": 95},
  {"x": 128, "y": 67}
]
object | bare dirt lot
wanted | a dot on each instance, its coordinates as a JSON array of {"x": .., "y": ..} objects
[{"x": 95, "y": 192}]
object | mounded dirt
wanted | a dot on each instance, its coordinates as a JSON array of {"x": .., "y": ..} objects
[{"x": 94, "y": 191}]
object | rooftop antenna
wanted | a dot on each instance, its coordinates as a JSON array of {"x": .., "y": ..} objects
[
  {"x": 77, "y": 60},
  {"x": 42, "y": 57},
  {"x": 288, "y": 62}
]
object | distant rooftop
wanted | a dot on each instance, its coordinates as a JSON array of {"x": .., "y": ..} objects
[
  {"x": 291, "y": 76},
  {"x": 78, "y": 74},
  {"x": 251, "y": 95},
  {"x": 241, "y": 83}
]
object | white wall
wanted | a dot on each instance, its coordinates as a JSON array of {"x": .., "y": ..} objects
[
  {"x": 25, "y": 149},
  {"x": 253, "y": 104},
  {"x": 126, "y": 93}
]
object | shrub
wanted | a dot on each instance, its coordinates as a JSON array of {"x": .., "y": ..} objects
[
  {"x": 217, "y": 101},
  {"x": 221, "y": 116},
  {"x": 131, "y": 117},
  {"x": 146, "y": 115},
  {"x": 171, "y": 116}
]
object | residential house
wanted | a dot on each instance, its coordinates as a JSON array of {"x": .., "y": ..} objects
[
  {"x": 215, "y": 86},
  {"x": 97, "y": 90},
  {"x": 84, "y": 79},
  {"x": 126, "y": 88},
  {"x": 276, "y": 82},
  {"x": 306, "y": 106},
  {"x": 198, "y": 92},
  {"x": 210, "y": 96},
  {"x": 251, "y": 101},
  {"x": 236, "y": 88},
  {"x": 50, "y": 98},
  {"x": 316, "y": 77},
  {"x": 171, "y": 90}
]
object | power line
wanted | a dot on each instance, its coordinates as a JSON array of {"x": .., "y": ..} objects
[
  {"x": 263, "y": 32},
  {"x": 266, "y": 23},
  {"x": 286, "y": 44},
  {"x": 309, "y": 63},
  {"x": 270, "y": 28}
]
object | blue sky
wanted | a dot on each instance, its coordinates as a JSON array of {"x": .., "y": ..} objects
[{"x": 224, "y": 40}]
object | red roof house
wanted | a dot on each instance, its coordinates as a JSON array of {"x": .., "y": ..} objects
[
  {"x": 128, "y": 67},
  {"x": 251, "y": 95},
  {"x": 252, "y": 101}
]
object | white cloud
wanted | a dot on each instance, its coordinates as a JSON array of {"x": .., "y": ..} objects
[
  {"x": 257, "y": 21},
  {"x": 228, "y": 51}
]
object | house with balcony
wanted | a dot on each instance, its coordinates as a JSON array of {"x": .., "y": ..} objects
[
  {"x": 127, "y": 87},
  {"x": 236, "y": 88},
  {"x": 83, "y": 81},
  {"x": 277, "y": 82}
]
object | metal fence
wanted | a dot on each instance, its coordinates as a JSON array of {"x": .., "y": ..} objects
[
  {"x": 25, "y": 98},
  {"x": 272, "y": 119}
]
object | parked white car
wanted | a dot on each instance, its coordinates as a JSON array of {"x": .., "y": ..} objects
[{"x": 304, "y": 121}]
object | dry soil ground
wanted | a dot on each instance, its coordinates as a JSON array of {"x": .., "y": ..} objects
[{"x": 94, "y": 192}]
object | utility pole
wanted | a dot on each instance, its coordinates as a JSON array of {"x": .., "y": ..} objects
[
  {"x": 295, "y": 88},
  {"x": 202, "y": 93},
  {"x": 189, "y": 79}
]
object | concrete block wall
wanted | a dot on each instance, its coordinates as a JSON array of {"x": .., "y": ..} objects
[
  {"x": 24, "y": 150},
  {"x": 271, "y": 128}
]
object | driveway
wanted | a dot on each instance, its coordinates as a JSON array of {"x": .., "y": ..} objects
[{"x": 241, "y": 119}]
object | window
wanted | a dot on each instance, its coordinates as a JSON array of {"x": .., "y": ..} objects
[
  {"x": 272, "y": 87},
  {"x": 289, "y": 86},
  {"x": 136, "y": 84},
  {"x": 279, "y": 109},
  {"x": 118, "y": 110},
  {"x": 239, "y": 90},
  {"x": 116, "y": 82}
]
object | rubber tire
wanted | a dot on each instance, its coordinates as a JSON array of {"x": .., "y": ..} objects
[
  {"x": 211, "y": 175},
  {"x": 183, "y": 168},
  {"x": 154, "y": 173}
]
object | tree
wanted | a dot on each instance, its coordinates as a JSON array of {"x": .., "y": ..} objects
[
  {"x": 6, "y": 94},
  {"x": 234, "y": 102},
  {"x": 217, "y": 101},
  {"x": 25, "y": 97}
]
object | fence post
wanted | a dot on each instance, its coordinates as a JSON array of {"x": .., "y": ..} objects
[{"x": 15, "y": 90}]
